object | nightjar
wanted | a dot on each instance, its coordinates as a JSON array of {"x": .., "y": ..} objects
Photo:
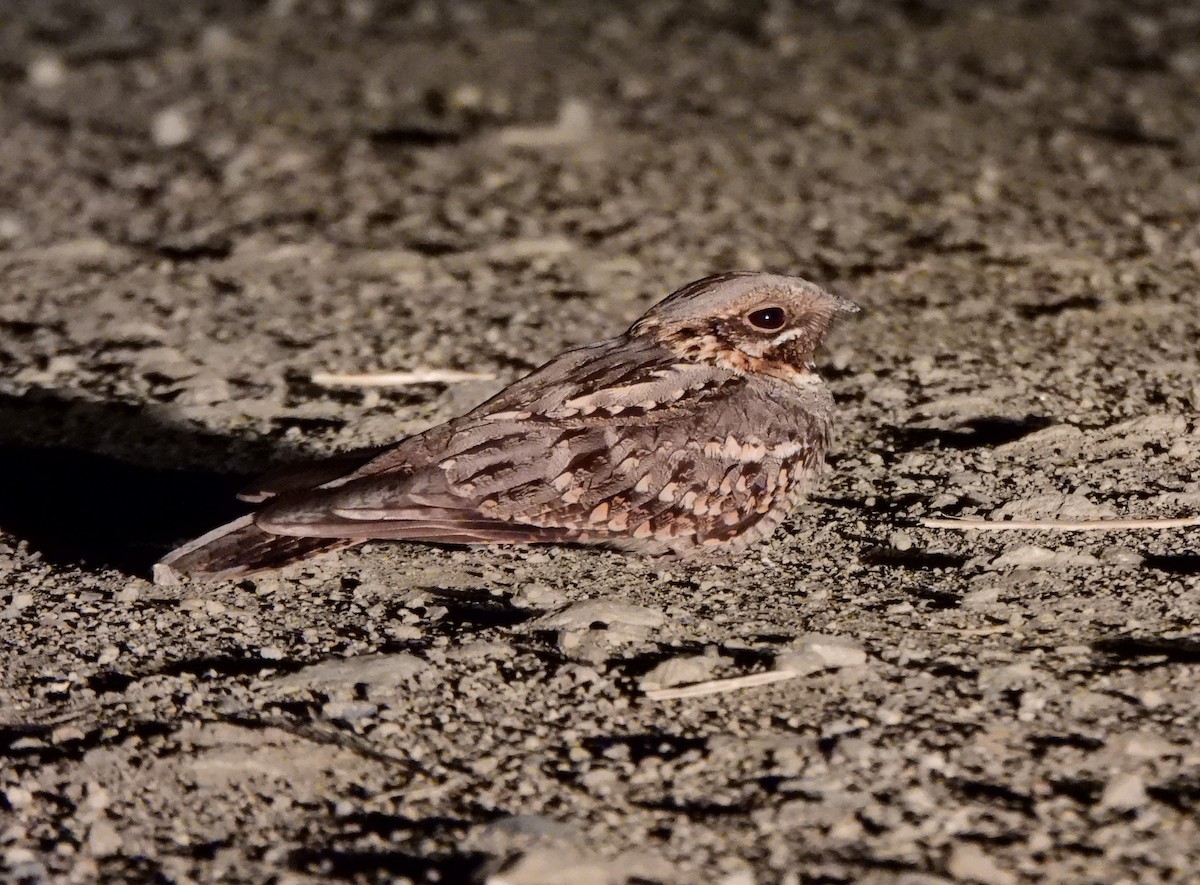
[{"x": 696, "y": 431}]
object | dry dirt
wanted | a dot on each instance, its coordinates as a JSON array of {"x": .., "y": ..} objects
[{"x": 203, "y": 203}]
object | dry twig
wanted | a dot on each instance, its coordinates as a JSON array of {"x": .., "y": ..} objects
[
  {"x": 398, "y": 379},
  {"x": 720, "y": 686},
  {"x": 1050, "y": 525}
]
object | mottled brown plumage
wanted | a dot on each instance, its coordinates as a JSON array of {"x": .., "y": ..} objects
[{"x": 696, "y": 431}]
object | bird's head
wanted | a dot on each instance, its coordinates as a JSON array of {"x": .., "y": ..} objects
[{"x": 745, "y": 322}]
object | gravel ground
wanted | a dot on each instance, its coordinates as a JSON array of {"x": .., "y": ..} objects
[{"x": 203, "y": 203}]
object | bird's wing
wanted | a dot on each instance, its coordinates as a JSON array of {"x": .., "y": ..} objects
[
  {"x": 307, "y": 475},
  {"x": 532, "y": 464}
]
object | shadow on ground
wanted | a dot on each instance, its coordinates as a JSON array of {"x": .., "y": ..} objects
[{"x": 110, "y": 485}]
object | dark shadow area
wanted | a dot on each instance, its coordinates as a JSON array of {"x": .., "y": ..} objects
[
  {"x": 645, "y": 746},
  {"x": 348, "y": 862},
  {"x": 1173, "y": 563},
  {"x": 110, "y": 485},
  {"x": 913, "y": 560},
  {"x": 1168, "y": 649},
  {"x": 977, "y": 433},
  {"x": 380, "y": 865},
  {"x": 1074, "y": 302},
  {"x": 1182, "y": 793}
]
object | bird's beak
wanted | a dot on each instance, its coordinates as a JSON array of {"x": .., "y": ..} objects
[{"x": 843, "y": 305}]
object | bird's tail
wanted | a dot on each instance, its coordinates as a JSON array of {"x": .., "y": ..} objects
[{"x": 238, "y": 549}]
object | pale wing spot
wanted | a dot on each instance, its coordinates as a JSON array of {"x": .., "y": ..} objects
[
  {"x": 786, "y": 450},
  {"x": 726, "y": 486},
  {"x": 629, "y": 465},
  {"x": 448, "y": 463},
  {"x": 667, "y": 495},
  {"x": 739, "y": 486},
  {"x": 614, "y": 409},
  {"x": 700, "y": 506},
  {"x": 599, "y": 514},
  {"x": 573, "y": 496},
  {"x": 729, "y": 517},
  {"x": 648, "y": 404},
  {"x": 713, "y": 450},
  {"x": 805, "y": 379},
  {"x": 688, "y": 500},
  {"x": 643, "y": 530},
  {"x": 643, "y": 484},
  {"x": 563, "y": 481},
  {"x": 362, "y": 513},
  {"x": 619, "y": 523},
  {"x": 754, "y": 450},
  {"x": 508, "y": 416}
]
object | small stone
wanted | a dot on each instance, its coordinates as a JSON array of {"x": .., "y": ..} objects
[
  {"x": 65, "y": 734},
  {"x": 369, "y": 674},
  {"x": 984, "y": 596},
  {"x": 11, "y": 228},
  {"x": 104, "y": 839},
  {"x": 969, "y": 863},
  {"x": 129, "y": 593},
  {"x": 1034, "y": 557},
  {"x": 680, "y": 671},
  {"x": 171, "y": 128},
  {"x": 902, "y": 541},
  {"x": 1144, "y": 745},
  {"x": 1125, "y": 792},
  {"x": 21, "y": 600},
  {"x": 18, "y": 797},
  {"x": 582, "y": 615},
  {"x": 815, "y": 652},
  {"x": 537, "y": 596},
  {"x": 46, "y": 72}
]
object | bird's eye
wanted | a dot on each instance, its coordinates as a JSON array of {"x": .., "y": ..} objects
[{"x": 767, "y": 319}]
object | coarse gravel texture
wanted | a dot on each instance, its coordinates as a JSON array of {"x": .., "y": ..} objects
[{"x": 203, "y": 203}]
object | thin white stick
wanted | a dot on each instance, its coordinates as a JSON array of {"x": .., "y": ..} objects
[
  {"x": 720, "y": 686},
  {"x": 1049, "y": 525},
  {"x": 398, "y": 379}
]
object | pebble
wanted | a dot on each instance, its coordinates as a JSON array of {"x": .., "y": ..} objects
[
  {"x": 171, "y": 127},
  {"x": 104, "y": 839},
  {"x": 538, "y": 596},
  {"x": 573, "y": 126},
  {"x": 372, "y": 673},
  {"x": 46, "y": 72},
  {"x": 1033, "y": 556},
  {"x": 680, "y": 671},
  {"x": 969, "y": 863},
  {"x": 582, "y": 615},
  {"x": 816, "y": 652},
  {"x": 1125, "y": 792}
]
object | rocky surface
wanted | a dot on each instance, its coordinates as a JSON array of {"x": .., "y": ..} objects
[{"x": 202, "y": 204}]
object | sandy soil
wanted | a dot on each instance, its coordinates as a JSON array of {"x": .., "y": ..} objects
[{"x": 201, "y": 204}]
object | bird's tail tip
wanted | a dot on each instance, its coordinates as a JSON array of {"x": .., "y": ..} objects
[{"x": 239, "y": 549}]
